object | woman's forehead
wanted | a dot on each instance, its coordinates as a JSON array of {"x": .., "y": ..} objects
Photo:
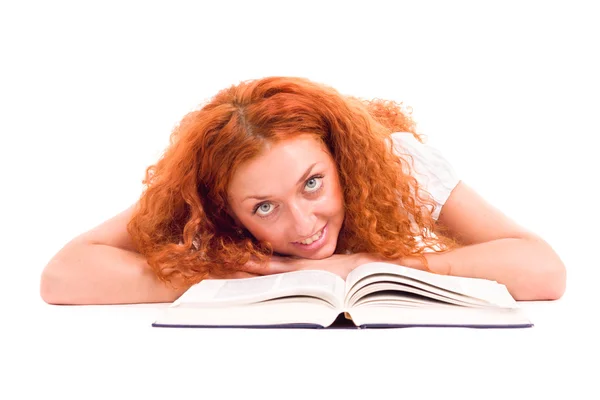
[
  {"x": 300, "y": 150},
  {"x": 282, "y": 163}
]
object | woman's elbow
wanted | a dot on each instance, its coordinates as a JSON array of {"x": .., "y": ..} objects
[
  {"x": 545, "y": 285},
  {"x": 556, "y": 282},
  {"x": 553, "y": 277},
  {"x": 48, "y": 285},
  {"x": 53, "y": 283}
]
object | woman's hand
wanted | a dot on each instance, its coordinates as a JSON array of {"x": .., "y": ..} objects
[{"x": 339, "y": 264}]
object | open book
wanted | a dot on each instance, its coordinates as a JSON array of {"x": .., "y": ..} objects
[{"x": 376, "y": 294}]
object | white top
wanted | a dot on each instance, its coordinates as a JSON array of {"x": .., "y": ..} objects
[{"x": 430, "y": 168}]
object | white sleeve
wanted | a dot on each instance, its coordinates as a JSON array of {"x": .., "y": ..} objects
[{"x": 431, "y": 169}]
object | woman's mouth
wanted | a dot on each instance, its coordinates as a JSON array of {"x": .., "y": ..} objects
[{"x": 314, "y": 242}]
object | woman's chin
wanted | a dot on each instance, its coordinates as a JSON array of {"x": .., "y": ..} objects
[
  {"x": 322, "y": 254},
  {"x": 317, "y": 256}
]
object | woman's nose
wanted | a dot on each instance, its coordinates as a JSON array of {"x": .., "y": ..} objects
[{"x": 303, "y": 220}]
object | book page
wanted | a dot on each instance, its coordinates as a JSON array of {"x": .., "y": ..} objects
[
  {"x": 273, "y": 314},
  {"x": 375, "y": 316},
  {"x": 488, "y": 291},
  {"x": 399, "y": 291},
  {"x": 226, "y": 292},
  {"x": 402, "y": 286}
]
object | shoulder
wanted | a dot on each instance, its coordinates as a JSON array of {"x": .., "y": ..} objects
[
  {"x": 432, "y": 169},
  {"x": 406, "y": 144}
]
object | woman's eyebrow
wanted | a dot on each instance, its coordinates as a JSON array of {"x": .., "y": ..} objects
[{"x": 302, "y": 179}]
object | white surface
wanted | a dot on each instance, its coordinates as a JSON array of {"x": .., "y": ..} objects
[
  {"x": 89, "y": 94},
  {"x": 85, "y": 352}
]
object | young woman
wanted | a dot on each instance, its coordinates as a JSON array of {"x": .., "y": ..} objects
[{"x": 280, "y": 174}]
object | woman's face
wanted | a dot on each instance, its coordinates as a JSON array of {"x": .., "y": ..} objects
[{"x": 288, "y": 195}]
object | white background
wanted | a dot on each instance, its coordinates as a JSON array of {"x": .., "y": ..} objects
[{"x": 89, "y": 93}]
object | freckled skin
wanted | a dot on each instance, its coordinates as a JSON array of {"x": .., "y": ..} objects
[{"x": 293, "y": 211}]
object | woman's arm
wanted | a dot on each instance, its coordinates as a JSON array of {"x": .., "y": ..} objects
[
  {"x": 101, "y": 266},
  {"x": 83, "y": 273},
  {"x": 496, "y": 248},
  {"x": 529, "y": 267}
]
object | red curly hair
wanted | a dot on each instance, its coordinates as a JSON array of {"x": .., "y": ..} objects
[{"x": 181, "y": 224}]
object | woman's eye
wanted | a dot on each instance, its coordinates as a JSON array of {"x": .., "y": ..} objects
[
  {"x": 264, "y": 208},
  {"x": 314, "y": 183}
]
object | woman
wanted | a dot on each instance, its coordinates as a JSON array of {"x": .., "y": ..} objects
[{"x": 280, "y": 174}]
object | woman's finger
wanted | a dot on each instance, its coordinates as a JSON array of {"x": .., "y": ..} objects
[
  {"x": 254, "y": 267},
  {"x": 276, "y": 265}
]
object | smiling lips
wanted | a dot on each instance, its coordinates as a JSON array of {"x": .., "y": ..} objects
[{"x": 313, "y": 238}]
